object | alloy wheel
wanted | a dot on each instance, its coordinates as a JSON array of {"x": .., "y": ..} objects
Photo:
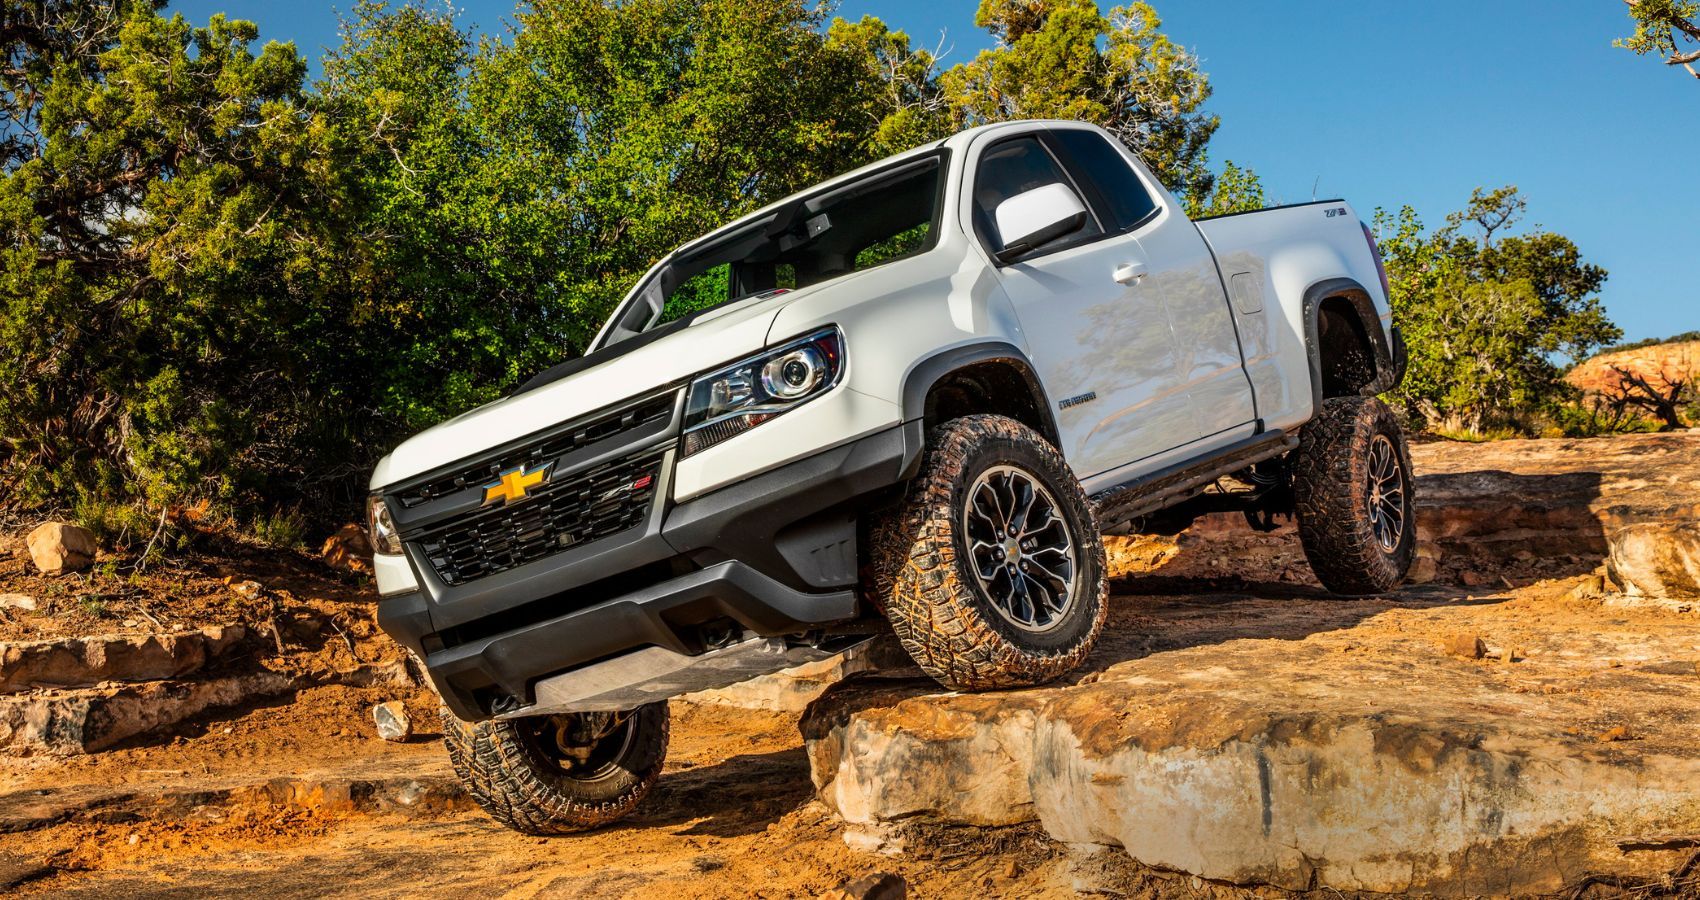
[
  {"x": 1386, "y": 493},
  {"x": 1020, "y": 548}
]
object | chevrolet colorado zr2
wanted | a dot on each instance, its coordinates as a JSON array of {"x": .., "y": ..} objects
[{"x": 907, "y": 400}]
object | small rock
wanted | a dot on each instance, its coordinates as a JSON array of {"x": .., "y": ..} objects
[
  {"x": 1466, "y": 646},
  {"x": 1591, "y": 587},
  {"x": 1474, "y": 579},
  {"x": 17, "y": 601},
  {"x": 247, "y": 590},
  {"x": 349, "y": 549},
  {"x": 1619, "y": 733},
  {"x": 393, "y": 722},
  {"x": 877, "y": 886},
  {"x": 1422, "y": 571},
  {"x": 57, "y": 548},
  {"x": 1012, "y": 869},
  {"x": 873, "y": 840},
  {"x": 1508, "y": 655},
  {"x": 131, "y": 623}
]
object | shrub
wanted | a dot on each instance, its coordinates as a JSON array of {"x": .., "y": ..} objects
[{"x": 284, "y": 529}]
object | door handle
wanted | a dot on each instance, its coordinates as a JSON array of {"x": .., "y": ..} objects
[{"x": 1128, "y": 273}]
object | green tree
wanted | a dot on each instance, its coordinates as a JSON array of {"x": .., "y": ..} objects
[
  {"x": 1236, "y": 190},
  {"x": 521, "y": 187},
  {"x": 1485, "y": 315},
  {"x": 897, "y": 85},
  {"x": 1065, "y": 59},
  {"x": 1570, "y": 320},
  {"x": 218, "y": 282},
  {"x": 1667, "y": 28},
  {"x": 157, "y": 173}
]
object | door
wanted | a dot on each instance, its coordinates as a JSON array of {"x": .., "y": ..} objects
[
  {"x": 1101, "y": 342},
  {"x": 1181, "y": 277}
]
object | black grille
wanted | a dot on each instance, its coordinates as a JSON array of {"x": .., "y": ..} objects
[
  {"x": 581, "y": 434},
  {"x": 567, "y": 512}
]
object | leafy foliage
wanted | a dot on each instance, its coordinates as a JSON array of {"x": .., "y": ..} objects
[
  {"x": 1485, "y": 314},
  {"x": 164, "y": 255},
  {"x": 1236, "y": 190},
  {"x": 1667, "y": 28},
  {"x": 1064, "y": 59},
  {"x": 222, "y": 283}
]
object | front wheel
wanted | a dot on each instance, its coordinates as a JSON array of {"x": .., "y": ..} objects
[
  {"x": 559, "y": 774},
  {"x": 1353, "y": 490},
  {"x": 992, "y": 573}
]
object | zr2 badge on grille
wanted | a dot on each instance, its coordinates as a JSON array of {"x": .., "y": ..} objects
[{"x": 514, "y": 483}]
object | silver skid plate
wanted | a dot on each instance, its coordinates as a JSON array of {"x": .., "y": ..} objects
[{"x": 653, "y": 673}]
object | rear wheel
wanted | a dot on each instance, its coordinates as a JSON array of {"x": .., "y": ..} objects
[
  {"x": 1353, "y": 490},
  {"x": 559, "y": 774},
  {"x": 992, "y": 573}
]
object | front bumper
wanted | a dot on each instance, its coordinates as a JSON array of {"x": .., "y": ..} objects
[{"x": 770, "y": 556}]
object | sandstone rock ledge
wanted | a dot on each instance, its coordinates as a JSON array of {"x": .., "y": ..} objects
[{"x": 1361, "y": 757}]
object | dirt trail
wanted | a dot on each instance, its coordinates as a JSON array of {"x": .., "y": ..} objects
[
  {"x": 734, "y": 815},
  {"x": 731, "y": 818}
]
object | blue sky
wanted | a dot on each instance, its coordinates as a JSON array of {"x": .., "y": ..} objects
[{"x": 1388, "y": 104}]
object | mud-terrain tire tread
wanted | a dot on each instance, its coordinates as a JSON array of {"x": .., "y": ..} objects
[
  {"x": 497, "y": 767},
  {"x": 913, "y": 577},
  {"x": 1329, "y": 471}
]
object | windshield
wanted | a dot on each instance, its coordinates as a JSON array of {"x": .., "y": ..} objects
[{"x": 888, "y": 215}]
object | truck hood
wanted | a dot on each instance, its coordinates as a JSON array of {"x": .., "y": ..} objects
[{"x": 719, "y": 336}]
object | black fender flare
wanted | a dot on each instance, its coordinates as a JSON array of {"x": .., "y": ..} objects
[
  {"x": 1388, "y": 349},
  {"x": 927, "y": 373}
]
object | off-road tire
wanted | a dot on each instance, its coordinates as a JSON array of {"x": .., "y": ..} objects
[
  {"x": 916, "y": 572},
  {"x": 1331, "y": 471},
  {"x": 525, "y": 791}
]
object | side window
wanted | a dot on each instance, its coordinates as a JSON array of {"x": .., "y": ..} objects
[
  {"x": 701, "y": 291},
  {"x": 1015, "y": 167},
  {"x": 1122, "y": 199},
  {"x": 905, "y": 243}
]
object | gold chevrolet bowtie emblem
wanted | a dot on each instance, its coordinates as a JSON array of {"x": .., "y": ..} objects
[{"x": 514, "y": 483}]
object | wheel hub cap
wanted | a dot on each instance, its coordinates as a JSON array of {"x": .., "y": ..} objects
[
  {"x": 1020, "y": 547},
  {"x": 584, "y": 746},
  {"x": 1386, "y": 493}
]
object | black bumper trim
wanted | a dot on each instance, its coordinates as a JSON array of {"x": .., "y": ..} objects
[
  {"x": 774, "y": 553},
  {"x": 757, "y": 521},
  {"x": 654, "y": 616}
]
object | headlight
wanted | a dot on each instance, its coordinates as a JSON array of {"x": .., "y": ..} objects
[
  {"x": 745, "y": 394},
  {"x": 385, "y": 540}
]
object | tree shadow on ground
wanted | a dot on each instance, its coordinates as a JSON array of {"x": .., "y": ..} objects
[
  {"x": 737, "y": 796},
  {"x": 1479, "y": 530},
  {"x": 1168, "y": 614}
]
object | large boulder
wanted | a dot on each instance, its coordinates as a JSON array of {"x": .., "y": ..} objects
[
  {"x": 87, "y": 661},
  {"x": 1657, "y": 559},
  {"x": 58, "y": 547},
  {"x": 1364, "y": 757}
]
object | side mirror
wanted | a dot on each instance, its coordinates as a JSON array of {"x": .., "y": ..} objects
[{"x": 1029, "y": 220}]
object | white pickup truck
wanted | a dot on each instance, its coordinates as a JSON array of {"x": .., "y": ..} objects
[{"x": 907, "y": 400}]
